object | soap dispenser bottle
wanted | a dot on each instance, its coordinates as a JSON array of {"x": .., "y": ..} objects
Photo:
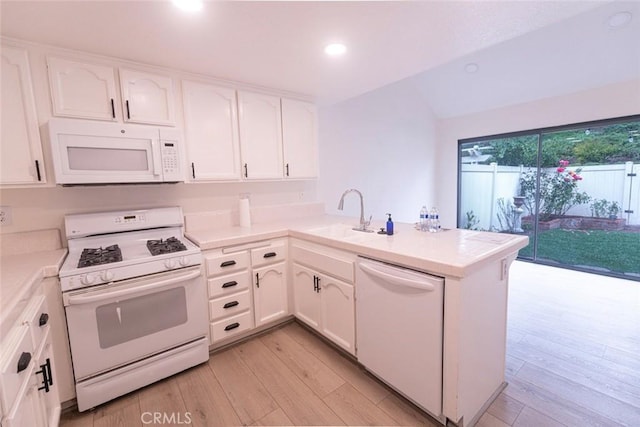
[{"x": 389, "y": 226}]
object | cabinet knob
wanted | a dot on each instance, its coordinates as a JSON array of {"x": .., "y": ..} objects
[
  {"x": 23, "y": 361},
  {"x": 44, "y": 318}
]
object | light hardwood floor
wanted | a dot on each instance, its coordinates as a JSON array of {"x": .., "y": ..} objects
[{"x": 572, "y": 359}]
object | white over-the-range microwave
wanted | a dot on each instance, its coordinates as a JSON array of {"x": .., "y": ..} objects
[{"x": 86, "y": 152}]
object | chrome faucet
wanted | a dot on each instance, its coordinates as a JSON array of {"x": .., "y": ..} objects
[{"x": 363, "y": 224}]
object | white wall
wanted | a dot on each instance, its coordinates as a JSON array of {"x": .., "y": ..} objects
[
  {"x": 383, "y": 144},
  {"x": 43, "y": 208},
  {"x": 617, "y": 100}
]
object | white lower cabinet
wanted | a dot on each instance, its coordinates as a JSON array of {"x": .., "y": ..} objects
[
  {"x": 247, "y": 287},
  {"x": 270, "y": 297},
  {"x": 28, "y": 390},
  {"x": 337, "y": 311},
  {"x": 305, "y": 296},
  {"x": 229, "y": 290},
  {"x": 322, "y": 301},
  {"x": 270, "y": 293}
]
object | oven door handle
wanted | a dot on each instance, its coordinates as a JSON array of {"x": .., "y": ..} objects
[{"x": 87, "y": 298}]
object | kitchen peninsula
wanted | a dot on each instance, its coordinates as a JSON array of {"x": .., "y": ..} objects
[{"x": 474, "y": 265}]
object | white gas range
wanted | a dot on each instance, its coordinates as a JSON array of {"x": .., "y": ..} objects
[
  {"x": 135, "y": 301},
  {"x": 111, "y": 246}
]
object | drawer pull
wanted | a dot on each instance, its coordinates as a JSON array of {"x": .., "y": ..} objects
[
  {"x": 231, "y": 326},
  {"x": 228, "y": 263},
  {"x": 24, "y": 360},
  {"x": 269, "y": 255},
  {"x": 44, "y": 319},
  {"x": 230, "y": 304},
  {"x": 229, "y": 284}
]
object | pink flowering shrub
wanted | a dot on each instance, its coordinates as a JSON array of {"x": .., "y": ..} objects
[{"x": 558, "y": 190}]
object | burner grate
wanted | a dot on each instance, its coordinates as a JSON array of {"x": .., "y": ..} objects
[
  {"x": 159, "y": 247},
  {"x": 98, "y": 256}
]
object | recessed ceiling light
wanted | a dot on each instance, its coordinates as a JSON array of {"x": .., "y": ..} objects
[
  {"x": 335, "y": 49},
  {"x": 471, "y": 68},
  {"x": 619, "y": 20},
  {"x": 188, "y": 5}
]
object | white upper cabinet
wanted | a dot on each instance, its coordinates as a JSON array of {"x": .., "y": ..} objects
[
  {"x": 20, "y": 147},
  {"x": 147, "y": 98},
  {"x": 260, "y": 136},
  {"x": 82, "y": 90},
  {"x": 211, "y": 131},
  {"x": 299, "y": 139}
]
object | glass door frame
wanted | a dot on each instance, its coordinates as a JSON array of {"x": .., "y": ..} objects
[{"x": 539, "y": 132}]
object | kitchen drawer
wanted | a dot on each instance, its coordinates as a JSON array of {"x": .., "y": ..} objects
[
  {"x": 324, "y": 261},
  {"x": 276, "y": 251},
  {"x": 229, "y": 305},
  {"x": 219, "y": 263},
  {"x": 228, "y": 284},
  {"x": 36, "y": 316},
  {"x": 231, "y": 326},
  {"x": 18, "y": 341}
]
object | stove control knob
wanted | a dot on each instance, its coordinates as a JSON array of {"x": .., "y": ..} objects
[
  {"x": 87, "y": 279},
  {"x": 170, "y": 264},
  {"x": 184, "y": 261},
  {"x": 106, "y": 276}
]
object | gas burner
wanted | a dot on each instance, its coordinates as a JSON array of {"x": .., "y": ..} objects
[
  {"x": 98, "y": 256},
  {"x": 159, "y": 247}
]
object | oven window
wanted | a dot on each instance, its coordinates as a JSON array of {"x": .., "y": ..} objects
[
  {"x": 107, "y": 159},
  {"x": 124, "y": 321}
]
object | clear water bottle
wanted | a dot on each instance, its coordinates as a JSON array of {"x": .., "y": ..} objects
[
  {"x": 423, "y": 218},
  {"x": 430, "y": 218},
  {"x": 434, "y": 220}
]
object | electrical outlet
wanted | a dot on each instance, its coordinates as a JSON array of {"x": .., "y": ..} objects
[{"x": 6, "y": 217}]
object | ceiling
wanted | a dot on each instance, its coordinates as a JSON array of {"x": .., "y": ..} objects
[{"x": 525, "y": 49}]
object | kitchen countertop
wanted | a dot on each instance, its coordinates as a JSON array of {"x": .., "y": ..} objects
[
  {"x": 454, "y": 253},
  {"x": 19, "y": 274}
]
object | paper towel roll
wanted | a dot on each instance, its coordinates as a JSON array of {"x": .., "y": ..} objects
[{"x": 245, "y": 213}]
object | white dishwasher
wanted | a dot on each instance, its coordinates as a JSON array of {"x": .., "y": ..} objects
[{"x": 399, "y": 320}]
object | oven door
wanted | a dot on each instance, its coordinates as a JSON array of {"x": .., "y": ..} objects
[{"x": 116, "y": 324}]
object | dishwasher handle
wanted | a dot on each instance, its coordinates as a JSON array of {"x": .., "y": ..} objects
[{"x": 380, "y": 272}]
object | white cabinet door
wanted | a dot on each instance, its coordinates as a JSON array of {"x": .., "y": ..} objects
[
  {"x": 82, "y": 90},
  {"x": 147, "y": 98},
  {"x": 299, "y": 139},
  {"x": 260, "y": 135},
  {"x": 29, "y": 409},
  {"x": 305, "y": 296},
  {"x": 270, "y": 293},
  {"x": 338, "y": 312},
  {"x": 211, "y": 131},
  {"x": 20, "y": 148}
]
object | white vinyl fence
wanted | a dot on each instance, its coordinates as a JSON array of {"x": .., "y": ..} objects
[{"x": 483, "y": 185}]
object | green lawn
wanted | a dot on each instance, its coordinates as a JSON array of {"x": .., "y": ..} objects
[{"x": 616, "y": 251}]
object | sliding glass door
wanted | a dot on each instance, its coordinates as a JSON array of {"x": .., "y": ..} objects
[{"x": 573, "y": 190}]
